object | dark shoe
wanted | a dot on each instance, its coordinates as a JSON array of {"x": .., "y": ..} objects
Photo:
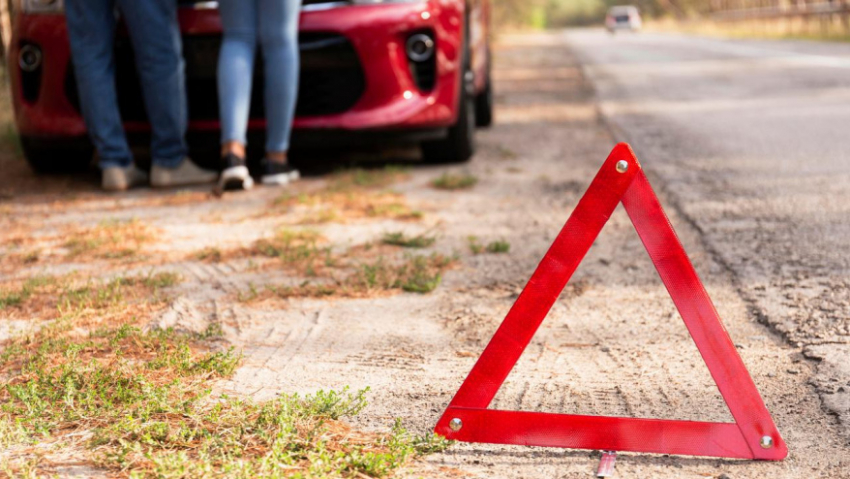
[
  {"x": 278, "y": 174},
  {"x": 234, "y": 174}
]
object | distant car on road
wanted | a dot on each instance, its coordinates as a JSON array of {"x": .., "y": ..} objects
[
  {"x": 372, "y": 72},
  {"x": 625, "y": 17}
]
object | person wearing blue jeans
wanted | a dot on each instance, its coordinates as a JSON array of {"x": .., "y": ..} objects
[
  {"x": 155, "y": 36},
  {"x": 273, "y": 24}
]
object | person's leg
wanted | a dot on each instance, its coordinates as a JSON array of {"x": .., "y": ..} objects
[
  {"x": 91, "y": 30},
  {"x": 157, "y": 45},
  {"x": 236, "y": 71},
  {"x": 279, "y": 38}
]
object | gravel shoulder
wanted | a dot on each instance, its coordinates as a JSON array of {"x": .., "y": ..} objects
[{"x": 613, "y": 344}]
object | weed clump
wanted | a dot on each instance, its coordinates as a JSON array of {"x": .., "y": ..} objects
[
  {"x": 298, "y": 250},
  {"x": 381, "y": 275},
  {"x": 400, "y": 239},
  {"x": 358, "y": 193},
  {"x": 499, "y": 246},
  {"x": 452, "y": 182},
  {"x": 495, "y": 247},
  {"x": 109, "y": 240}
]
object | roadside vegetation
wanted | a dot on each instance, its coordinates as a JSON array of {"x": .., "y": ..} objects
[
  {"x": 351, "y": 194},
  {"x": 86, "y": 301},
  {"x": 111, "y": 239},
  {"x": 358, "y": 277},
  {"x": 315, "y": 268},
  {"x": 454, "y": 181},
  {"x": 115, "y": 241},
  {"x": 788, "y": 28},
  {"x": 495, "y": 247},
  {"x": 94, "y": 387},
  {"x": 398, "y": 238},
  {"x": 806, "y": 19}
]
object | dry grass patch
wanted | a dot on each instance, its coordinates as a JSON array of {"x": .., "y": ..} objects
[
  {"x": 14, "y": 234},
  {"x": 87, "y": 302},
  {"x": 353, "y": 194},
  {"x": 72, "y": 387},
  {"x": 319, "y": 270},
  {"x": 16, "y": 240},
  {"x": 301, "y": 250},
  {"x": 109, "y": 240},
  {"x": 454, "y": 181},
  {"x": 361, "y": 278},
  {"x": 398, "y": 238},
  {"x": 178, "y": 198},
  {"x": 210, "y": 254},
  {"x": 138, "y": 404}
]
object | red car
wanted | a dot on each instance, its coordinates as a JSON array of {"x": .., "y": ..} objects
[{"x": 371, "y": 70}]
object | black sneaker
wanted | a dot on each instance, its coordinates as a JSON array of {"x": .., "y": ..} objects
[
  {"x": 234, "y": 175},
  {"x": 279, "y": 174}
]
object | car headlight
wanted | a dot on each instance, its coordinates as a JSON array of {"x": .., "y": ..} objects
[{"x": 42, "y": 6}]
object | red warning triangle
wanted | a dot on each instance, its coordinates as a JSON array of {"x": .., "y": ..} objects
[{"x": 753, "y": 435}]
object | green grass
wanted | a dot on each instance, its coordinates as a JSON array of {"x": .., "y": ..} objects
[
  {"x": 164, "y": 279},
  {"x": 499, "y": 246},
  {"x": 495, "y": 247},
  {"x": 297, "y": 249},
  {"x": 114, "y": 294},
  {"x": 110, "y": 373},
  {"x": 111, "y": 239},
  {"x": 16, "y": 297},
  {"x": 474, "y": 246},
  {"x": 357, "y": 193},
  {"x": 144, "y": 401},
  {"x": 210, "y": 254},
  {"x": 414, "y": 274},
  {"x": 360, "y": 178},
  {"x": 452, "y": 182},
  {"x": 292, "y": 436},
  {"x": 422, "y": 274},
  {"x": 400, "y": 239}
]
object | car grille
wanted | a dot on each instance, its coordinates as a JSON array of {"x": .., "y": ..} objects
[{"x": 331, "y": 79}]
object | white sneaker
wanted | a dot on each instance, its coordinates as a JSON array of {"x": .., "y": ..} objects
[
  {"x": 235, "y": 175},
  {"x": 187, "y": 173},
  {"x": 118, "y": 178}
]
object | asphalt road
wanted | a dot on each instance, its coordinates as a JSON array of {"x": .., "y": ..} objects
[{"x": 751, "y": 139}]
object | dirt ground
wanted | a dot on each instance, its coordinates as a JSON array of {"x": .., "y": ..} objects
[{"x": 613, "y": 344}]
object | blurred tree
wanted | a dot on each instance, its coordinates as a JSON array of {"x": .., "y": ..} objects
[{"x": 561, "y": 13}]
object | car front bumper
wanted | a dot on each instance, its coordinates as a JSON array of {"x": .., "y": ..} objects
[{"x": 388, "y": 99}]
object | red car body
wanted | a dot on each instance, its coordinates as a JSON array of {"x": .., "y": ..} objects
[{"x": 357, "y": 76}]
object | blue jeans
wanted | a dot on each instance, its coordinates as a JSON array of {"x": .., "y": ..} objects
[
  {"x": 275, "y": 24},
  {"x": 155, "y": 36}
]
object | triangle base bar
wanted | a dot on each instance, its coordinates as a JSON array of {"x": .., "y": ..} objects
[
  {"x": 715, "y": 439},
  {"x": 621, "y": 180}
]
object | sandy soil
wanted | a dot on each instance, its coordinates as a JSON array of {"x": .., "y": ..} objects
[{"x": 613, "y": 344}]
